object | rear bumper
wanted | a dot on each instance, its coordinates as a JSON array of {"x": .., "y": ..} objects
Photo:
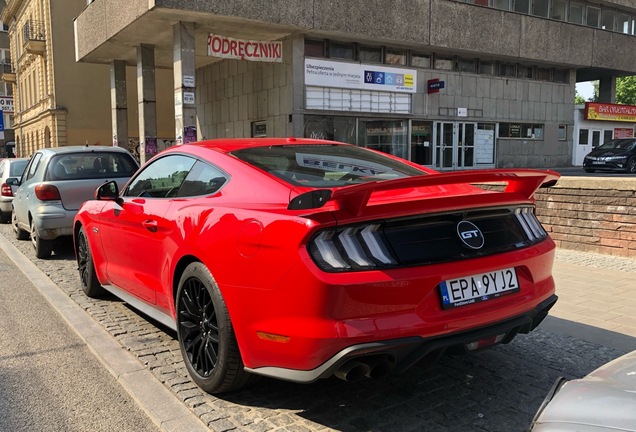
[
  {"x": 52, "y": 222},
  {"x": 400, "y": 354}
]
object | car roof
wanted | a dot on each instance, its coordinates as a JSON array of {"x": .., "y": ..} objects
[
  {"x": 228, "y": 145},
  {"x": 83, "y": 148}
]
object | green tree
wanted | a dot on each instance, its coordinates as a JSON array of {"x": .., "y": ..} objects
[
  {"x": 626, "y": 90},
  {"x": 578, "y": 99}
]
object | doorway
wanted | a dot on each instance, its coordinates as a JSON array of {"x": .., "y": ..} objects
[{"x": 454, "y": 144}]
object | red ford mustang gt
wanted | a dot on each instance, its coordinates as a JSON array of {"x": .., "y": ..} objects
[{"x": 301, "y": 259}]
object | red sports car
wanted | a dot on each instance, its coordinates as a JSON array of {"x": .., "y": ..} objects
[{"x": 301, "y": 259}]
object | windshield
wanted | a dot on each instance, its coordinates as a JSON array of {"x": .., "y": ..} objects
[
  {"x": 325, "y": 165},
  {"x": 622, "y": 144},
  {"x": 17, "y": 168}
]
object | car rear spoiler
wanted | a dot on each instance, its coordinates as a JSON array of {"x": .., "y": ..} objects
[{"x": 354, "y": 198}]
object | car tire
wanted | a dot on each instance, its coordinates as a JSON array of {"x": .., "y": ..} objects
[
  {"x": 19, "y": 233},
  {"x": 631, "y": 165},
  {"x": 588, "y": 170},
  {"x": 88, "y": 277},
  {"x": 206, "y": 336},
  {"x": 43, "y": 248}
]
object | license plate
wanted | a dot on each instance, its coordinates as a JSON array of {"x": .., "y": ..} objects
[
  {"x": 478, "y": 288},
  {"x": 598, "y": 162}
]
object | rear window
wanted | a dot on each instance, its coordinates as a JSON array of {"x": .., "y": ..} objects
[
  {"x": 325, "y": 165},
  {"x": 91, "y": 165},
  {"x": 17, "y": 168}
]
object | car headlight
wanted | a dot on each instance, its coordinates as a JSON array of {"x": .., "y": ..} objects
[{"x": 615, "y": 158}]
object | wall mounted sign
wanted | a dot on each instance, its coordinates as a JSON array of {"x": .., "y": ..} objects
[
  {"x": 238, "y": 49},
  {"x": 609, "y": 112},
  {"x": 434, "y": 85},
  {"x": 324, "y": 73},
  {"x": 6, "y": 104}
]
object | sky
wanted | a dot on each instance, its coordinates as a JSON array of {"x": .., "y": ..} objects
[{"x": 585, "y": 89}]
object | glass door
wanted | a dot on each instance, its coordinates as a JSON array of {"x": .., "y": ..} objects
[
  {"x": 445, "y": 147},
  {"x": 466, "y": 145}
]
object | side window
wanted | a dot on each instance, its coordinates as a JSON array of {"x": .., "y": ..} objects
[
  {"x": 30, "y": 170},
  {"x": 1, "y": 169},
  {"x": 162, "y": 178},
  {"x": 203, "y": 179}
]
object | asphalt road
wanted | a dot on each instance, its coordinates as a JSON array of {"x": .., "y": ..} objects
[
  {"x": 49, "y": 379},
  {"x": 495, "y": 390}
]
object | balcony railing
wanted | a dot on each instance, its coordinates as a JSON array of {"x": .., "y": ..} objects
[{"x": 34, "y": 37}]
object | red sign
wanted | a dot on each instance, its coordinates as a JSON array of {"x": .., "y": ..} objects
[
  {"x": 623, "y": 132},
  {"x": 230, "y": 48},
  {"x": 610, "y": 112},
  {"x": 434, "y": 85}
]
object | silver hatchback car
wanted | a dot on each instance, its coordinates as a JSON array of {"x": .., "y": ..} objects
[
  {"x": 54, "y": 185},
  {"x": 13, "y": 167}
]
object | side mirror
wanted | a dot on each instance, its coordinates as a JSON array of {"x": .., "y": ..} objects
[
  {"x": 13, "y": 181},
  {"x": 108, "y": 191}
]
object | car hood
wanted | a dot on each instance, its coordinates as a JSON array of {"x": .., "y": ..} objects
[
  {"x": 608, "y": 152},
  {"x": 606, "y": 398}
]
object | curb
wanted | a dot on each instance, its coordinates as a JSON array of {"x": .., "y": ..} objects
[{"x": 147, "y": 391}]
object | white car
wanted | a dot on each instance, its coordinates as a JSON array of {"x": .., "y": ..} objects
[
  {"x": 54, "y": 185},
  {"x": 12, "y": 167},
  {"x": 604, "y": 400}
]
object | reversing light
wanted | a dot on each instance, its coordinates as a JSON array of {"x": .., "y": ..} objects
[
  {"x": 375, "y": 244},
  {"x": 353, "y": 248},
  {"x": 328, "y": 251},
  {"x": 531, "y": 226}
]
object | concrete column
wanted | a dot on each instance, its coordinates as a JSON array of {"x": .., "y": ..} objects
[
  {"x": 147, "y": 101},
  {"x": 119, "y": 103},
  {"x": 607, "y": 89},
  {"x": 184, "y": 85}
]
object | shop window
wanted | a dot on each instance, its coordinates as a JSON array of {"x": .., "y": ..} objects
[
  {"x": 341, "y": 50},
  {"x": 507, "y": 70},
  {"x": 331, "y": 128},
  {"x": 395, "y": 57},
  {"x": 608, "y": 135},
  {"x": 421, "y": 60},
  {"x": 370, "y": 54},
  {"x": 388, "y": 136},
  {"x": 575, "y": 13},
  {"x": 541, "y": 8},
  {"x": 563, "y": 132},
  {"x": 421, "y": 142},
  {"x": 584, "y": 136},
  {"x": 314, "y": 48},
  {"x": 522, "y": 6},
  {"x": 444, "y": 63},
  {"x": 593, "y": 18},
  {"x": 467, "y": 65},
  {"x": 558, "y": 9},
  {"x": 521, "y": 130},
  {"x": 487, "y": 67}
]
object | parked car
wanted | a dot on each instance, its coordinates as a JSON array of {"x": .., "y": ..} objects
[
  {"x": 12, "y": 167},
  {"x": 615, "y": 155},
  {"x": 56, "y": 182},
  {"x": 604, "y": 400},
  {"x": 300, "y": 259}
]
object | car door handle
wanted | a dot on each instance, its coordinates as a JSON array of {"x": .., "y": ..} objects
[{"x": 150, "y": 225}]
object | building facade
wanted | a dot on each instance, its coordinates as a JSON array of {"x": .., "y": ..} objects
[
  {"x": 57, "y": 101},
  {"x": 448, "y": 84}
]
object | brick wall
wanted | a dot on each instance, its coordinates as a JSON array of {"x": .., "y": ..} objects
[{"x": 593, "y": 214}]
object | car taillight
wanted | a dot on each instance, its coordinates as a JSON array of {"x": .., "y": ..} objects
[
  {"x": 530, "y": 224},
  {"x": 46, "y": 192},
  {"x": 5, "y": 190},
  {"x": 360, "y": 247}
]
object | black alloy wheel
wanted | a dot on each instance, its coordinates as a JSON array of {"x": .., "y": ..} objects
[
  {"x": 206, "y": 335},
  {"x": 90, "y": 284},
  {"x": 631, "y": 165}
]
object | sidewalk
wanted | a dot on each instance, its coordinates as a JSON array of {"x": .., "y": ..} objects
[{"x": 597, "y": 299}]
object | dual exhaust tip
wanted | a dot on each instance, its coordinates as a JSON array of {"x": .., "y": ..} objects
[{"x": 365, "y": 367}]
